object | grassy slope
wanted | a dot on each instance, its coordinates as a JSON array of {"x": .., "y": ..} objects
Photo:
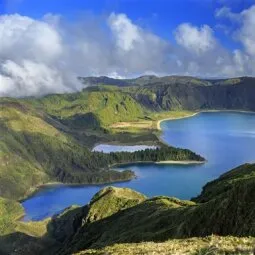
[
  {"x": 212, "y": 245},
  {"x": 33, "y": 152},
  {"x": 162, "y": 218},
  {"x": 10, "y": 211},
  {"x": 122, "y": 221},
  {"x": 226, "y": 182},
  {"x": 107, "y": 105},
  {"x": 109, "y": 113}
]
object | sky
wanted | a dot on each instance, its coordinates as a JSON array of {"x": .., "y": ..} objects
[{"x": 46, "y": 44}]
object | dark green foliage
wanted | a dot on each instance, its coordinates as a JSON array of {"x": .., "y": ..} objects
[
  {"x": 226, "y": 182},
  {"x": 237, "y": 94},
  {"x": 79, "y": 121},
  {"x": 188, "y": 93}
]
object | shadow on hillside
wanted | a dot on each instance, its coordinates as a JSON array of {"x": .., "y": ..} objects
[{"x": 22, "y": 244}]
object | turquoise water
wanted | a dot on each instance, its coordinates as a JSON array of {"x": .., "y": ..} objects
[{"x": 225, "y": 139}]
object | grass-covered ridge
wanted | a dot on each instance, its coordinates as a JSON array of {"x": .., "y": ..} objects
[
  {"x": 122, "y": 221},
  {"x": 226, "y": 182},
  {"x": 159, "y": 219}
]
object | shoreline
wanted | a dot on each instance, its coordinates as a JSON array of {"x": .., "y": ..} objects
[
  {"x": 181, "y": 162},
  {"x": 173, "y": 118},
  {"x": 198, "y": 112},
  {"x": 54, "y": 184},
  {"x": 111, "y": 167},
  {"x": 166, "y": 162}
]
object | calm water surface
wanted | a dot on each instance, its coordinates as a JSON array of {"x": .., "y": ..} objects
[{"x": 225, "y": 139}]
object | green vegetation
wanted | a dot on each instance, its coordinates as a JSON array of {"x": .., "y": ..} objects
[
  {"x": 162, "y": 218},
  {"x": 122, "y": 221},
  {"x": 10, "y": 211},
  {"x": 37, "y": 147},
  {"x": 110, "y": 201},
  {"x": 226, "y": 182},
  {"x": 212, "y": 245},
  {"x": 105, "y": 106},
  {"x": 105, "y": 203}
]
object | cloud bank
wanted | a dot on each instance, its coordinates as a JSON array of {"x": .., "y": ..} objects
[{"x": 44, "y": 56}]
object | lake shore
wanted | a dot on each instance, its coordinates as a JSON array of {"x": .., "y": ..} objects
[
  {"x": 40, "y": 187},
  {"x": 182, "y": 162},
  {"x": 166, "y": 162},
  {"x": 173, "y": 118},
  {"x": 196, "y": 113}
]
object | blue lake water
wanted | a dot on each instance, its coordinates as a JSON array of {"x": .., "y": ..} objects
[{"x": 225, "y": 139}]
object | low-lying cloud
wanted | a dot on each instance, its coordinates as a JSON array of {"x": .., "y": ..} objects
[{"x": 44, "y": 56}]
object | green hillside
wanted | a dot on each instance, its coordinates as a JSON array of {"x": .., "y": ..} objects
[
  {"x": 105, "y": 105},
  {"x": 212, "y": 245},
  {"x": 226, "y": 182},
  {"x": 162, "y": 218},
  {"x": 35, "y": 150},
  {"x": 10, "y": 211},
  {"x": 122, "y": 221}
]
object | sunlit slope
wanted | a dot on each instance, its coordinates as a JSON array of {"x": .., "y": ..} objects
[
  {"x": 10, "y": 211},
  {"x": 34, "y": 152},
  {"x": 211, "y": 245},
  {"x": 94, "y": 109}
]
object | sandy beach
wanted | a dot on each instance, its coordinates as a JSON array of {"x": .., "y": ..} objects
[{"x": 172, "y": 118}]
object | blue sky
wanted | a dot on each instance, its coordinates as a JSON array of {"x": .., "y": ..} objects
[
  {"x": 61, "y": 39},
  {"x": 160, "y": 16}
]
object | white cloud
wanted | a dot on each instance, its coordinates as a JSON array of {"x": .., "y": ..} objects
[
  {"x": 126, "y": 33},
  {"x": 30, "y": 78},
  {"x": 30, "y": 57},
  {"x": 39, "y": 57},
  {"x": 195, "y": 39},
  {"x": 23, "y": 37},
  {"x": 225, "y": 12},
  {"x": 45, "y": 56},
  {"x": 243, "y": 59},
  {"x": 247, "y": 32}
]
